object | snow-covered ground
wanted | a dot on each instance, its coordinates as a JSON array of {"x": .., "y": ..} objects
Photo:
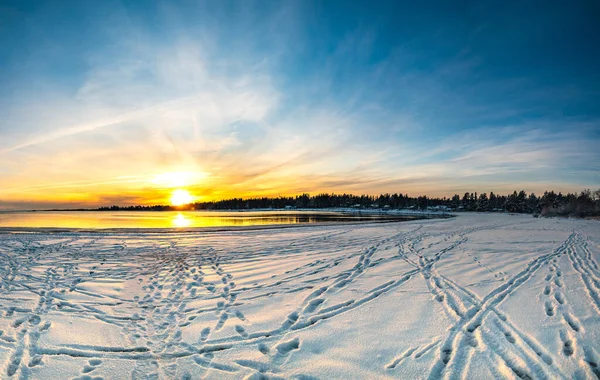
[{"x": 477, "y": 296}]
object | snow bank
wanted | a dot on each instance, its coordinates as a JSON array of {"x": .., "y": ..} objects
[{"x": 476, "y": 296}]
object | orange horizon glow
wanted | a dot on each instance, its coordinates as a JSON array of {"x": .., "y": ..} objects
[{"x": 193, "y": 185}]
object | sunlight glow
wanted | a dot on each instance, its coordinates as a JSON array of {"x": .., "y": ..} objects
[
  {"x": 178, "y": 179},
  {"x": 181, "y": 197},
  {"x": 181, "y": 221}
]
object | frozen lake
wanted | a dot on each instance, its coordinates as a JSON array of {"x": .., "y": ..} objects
[
  {"x": 478, "y": 296},
  {"x": 183, "y": 219}
]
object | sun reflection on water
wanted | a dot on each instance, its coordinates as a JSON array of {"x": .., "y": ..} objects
[
  {"x": 174, "y": 219},
  {"x": 181, "y": 221}
]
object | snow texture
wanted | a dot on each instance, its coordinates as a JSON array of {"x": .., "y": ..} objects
[{"x": 477, "y": 296}]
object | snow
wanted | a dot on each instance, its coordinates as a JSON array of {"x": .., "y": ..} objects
[{"x": 476, "y": 296}]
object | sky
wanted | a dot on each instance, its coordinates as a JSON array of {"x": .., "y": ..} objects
[{"x": 122, "y": 102}]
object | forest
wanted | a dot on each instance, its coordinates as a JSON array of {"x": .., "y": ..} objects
[{"x": 584, "y": 204}]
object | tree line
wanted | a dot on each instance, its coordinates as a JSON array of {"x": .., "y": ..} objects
[{"x": 584, "y": 204}]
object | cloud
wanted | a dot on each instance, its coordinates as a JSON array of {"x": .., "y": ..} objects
[{"x": 264, "y": 108}]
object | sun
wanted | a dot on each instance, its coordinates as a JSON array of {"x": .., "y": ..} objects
[{"x": 181, "y": 197}]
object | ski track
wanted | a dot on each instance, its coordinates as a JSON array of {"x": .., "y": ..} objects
[{"x": 251, "y": 303}]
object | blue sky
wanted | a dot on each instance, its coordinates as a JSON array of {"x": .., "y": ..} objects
[{"x": 280, "y": 97}]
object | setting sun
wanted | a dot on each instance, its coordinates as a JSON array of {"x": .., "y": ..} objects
[{"x": 181, "y": 197}]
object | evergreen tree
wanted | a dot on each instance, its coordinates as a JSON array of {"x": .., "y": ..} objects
[{"x": 483, "y": 202}]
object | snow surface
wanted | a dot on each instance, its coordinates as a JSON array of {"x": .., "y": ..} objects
[{"x": 477, "y": 296}]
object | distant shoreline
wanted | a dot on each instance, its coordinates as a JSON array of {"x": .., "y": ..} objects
[
  {"x": 377, "y": 211},
  {"x": 215, "y": 229},
  {"x": 584, "y": 204}
]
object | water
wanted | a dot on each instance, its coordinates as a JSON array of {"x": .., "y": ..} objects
[{"x": 174, "y": 219}]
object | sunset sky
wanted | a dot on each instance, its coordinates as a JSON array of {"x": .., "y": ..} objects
[{"x": 123, "y": 102}]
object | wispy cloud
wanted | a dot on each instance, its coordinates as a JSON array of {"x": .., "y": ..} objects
[{"x": 270, "y": 101}]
